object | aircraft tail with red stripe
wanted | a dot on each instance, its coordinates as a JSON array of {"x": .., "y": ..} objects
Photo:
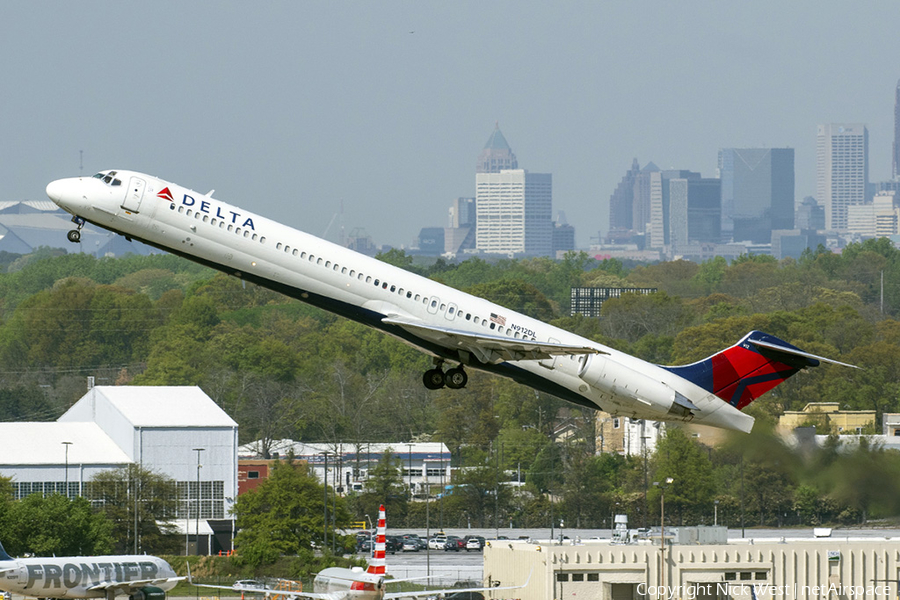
[{"x": 744, "y": 372}]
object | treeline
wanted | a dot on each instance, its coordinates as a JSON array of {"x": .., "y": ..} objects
[{"x": 283, "y": 369}]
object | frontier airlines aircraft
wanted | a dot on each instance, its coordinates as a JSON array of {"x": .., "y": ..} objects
[
  {"x": 453, "y": 327},
  {"x": 138, "y": 577}
]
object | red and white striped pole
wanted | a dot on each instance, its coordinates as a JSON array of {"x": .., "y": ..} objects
[{"x": 376, "y": 565}]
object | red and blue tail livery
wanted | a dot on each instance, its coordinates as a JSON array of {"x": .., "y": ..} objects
[{"x": 744, "y": 372}]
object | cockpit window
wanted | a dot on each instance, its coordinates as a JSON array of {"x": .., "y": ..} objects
[{"x": 108, "y": 178}]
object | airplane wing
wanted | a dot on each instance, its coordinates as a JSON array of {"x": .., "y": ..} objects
[
  {"x": 416, "y": 594},
  {"x": 490, "y": 348},
  {"x": 269, "y": 592},
  {"x": 128, "y": 587}
]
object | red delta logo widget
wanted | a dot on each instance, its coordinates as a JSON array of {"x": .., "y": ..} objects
[{"x": 165, "y": 194}]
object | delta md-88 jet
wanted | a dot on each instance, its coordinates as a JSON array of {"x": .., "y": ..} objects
[{"x": 455, "y": 328}]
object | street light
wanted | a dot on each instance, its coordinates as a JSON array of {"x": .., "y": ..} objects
[
  {"x": 715, "y": 513},
  {"x": 199, "y": 503},
  {"x": 67, "y": 444},
  {"x": 662, "y": 527},
  {"x": 325, "y": 453}
]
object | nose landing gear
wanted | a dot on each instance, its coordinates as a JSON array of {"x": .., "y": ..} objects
[
  {"x": 455, "y": 378},
  {"x": 74, "y": 236}
]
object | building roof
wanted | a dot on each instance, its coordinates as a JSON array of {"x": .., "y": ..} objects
[
  {"x": 497, "y": 141},
  {"x": 42, "y": 444},
  {"x": 158, "y": 406}
]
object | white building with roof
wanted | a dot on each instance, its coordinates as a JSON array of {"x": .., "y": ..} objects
[
  {"x": 425, "y": 465},
  {"x": 179, "y": 432}
]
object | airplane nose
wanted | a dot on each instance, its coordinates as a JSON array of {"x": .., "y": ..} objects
[{"x": 63, "y": 191}]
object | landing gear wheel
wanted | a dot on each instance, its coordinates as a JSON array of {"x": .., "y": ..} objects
[
  {"x": 74, "y": 236},
  {"x": 456, "y": 378},
  {"x": 433, "y": 379}
]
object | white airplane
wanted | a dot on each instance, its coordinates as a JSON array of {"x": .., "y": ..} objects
[
  {"x": 139, "y": 577},
  {"x": 450, "y": 325},
  {"x": 338, "y": 583}
]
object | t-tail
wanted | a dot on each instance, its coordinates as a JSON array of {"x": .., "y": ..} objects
[
  {"x": 3, "y": 554},
  {"x": 744, "y": 372},
  {"x": 376, "y": 565}
]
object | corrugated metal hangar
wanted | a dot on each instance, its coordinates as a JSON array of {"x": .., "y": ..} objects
[{"x": 178, "y": 432}]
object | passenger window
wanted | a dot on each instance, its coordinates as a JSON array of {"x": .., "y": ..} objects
[
  {"x": 451, "y": 310},
  {"x": 246, "y": 233},
  {"x": 287, "y": 249},
  {"x": 295, "y": 252},
  {"x": 384, "y": 285},
  {"x": 393, "y": 287},
  {"x": 171, "y": 206},
  {"x": 319, "y": 262},
  {"x": 189, "y": 212},
  {"x": 262, "y": 240},
  {"x": 213, "y": 222},
  {"x": 377, "y": 283},
  {"x": 468, "y": 316},
  {"x": 221, "y": 224},
  {"x": 476, "y": 320},
  {"x": 443, "y": 307},
  {"x": 312, "y": 258},
  {"x": 327, "y": 264},
  {"x": 416, "y": 298},
  {"x": 352, "y": 273},
  {"x": 517, "y": 335},
  {"x": 368, "y": 279},
  {"x": 231, "y": 228},
  {"x": 206, "y": 218},
  {"x": 344, "y": 271},
  {"x": 409, "y": 294},
  {"x": 181, "y": 209},
  {"x": 254, "y": 237},
  {"x": 278, "y": 246},
  {"x": 237, "y": 230},
  {"x": 303, "y": 255},
  {"x": 197, "y": 216},
  {"x": 433, "y": 303},
  {"x": 493, "y": 325}
]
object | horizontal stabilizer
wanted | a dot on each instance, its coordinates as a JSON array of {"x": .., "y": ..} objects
[{"x": 795, "y": 352}]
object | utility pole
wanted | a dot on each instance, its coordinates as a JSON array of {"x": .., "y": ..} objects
[{"x": 199, "y": 495}]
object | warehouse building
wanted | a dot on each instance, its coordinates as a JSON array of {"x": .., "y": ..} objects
[
  {"x": 178, "y": 432},
  {"x": 748, "y": 569}
]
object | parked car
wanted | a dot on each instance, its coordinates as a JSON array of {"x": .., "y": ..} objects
[
  {"x": 393, "y": 544},
  {"x": 411, "y": 542},
  {"x": 437, "y": 542},
  {"x": 454, "y": 544},
  {"x": 364, "y": 547},
  {"x": 474, "y": 542}
]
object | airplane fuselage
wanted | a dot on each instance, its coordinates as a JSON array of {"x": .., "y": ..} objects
[
  {"x": 83, "y": 576},
  {"x": 421, "y": 312}
]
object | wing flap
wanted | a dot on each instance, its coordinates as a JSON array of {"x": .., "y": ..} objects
[
  {"x": 133, "y": 585},
  {"x": 490, "y": 348}
]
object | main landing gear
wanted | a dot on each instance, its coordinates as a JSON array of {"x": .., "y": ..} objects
[
  {"x": 74, "y": 236},
  {"x": 455, "y": 378}
]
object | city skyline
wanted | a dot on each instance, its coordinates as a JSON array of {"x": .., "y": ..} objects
[{"x": 295, "y": 109}]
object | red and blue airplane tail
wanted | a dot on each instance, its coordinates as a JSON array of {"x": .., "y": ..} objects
[{"x": 744, "y": 372}]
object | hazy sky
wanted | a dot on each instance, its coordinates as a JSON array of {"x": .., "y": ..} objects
[{"x": 289, "y": 108}]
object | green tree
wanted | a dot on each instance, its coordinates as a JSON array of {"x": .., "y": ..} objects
[
  {"x": 284, "y": 515},
  {"x": 385, "y": 485},
  {"x": 140, "y": 505},
  {"x": 56, "y": 526},
  {"x": 683, "y": 460}
]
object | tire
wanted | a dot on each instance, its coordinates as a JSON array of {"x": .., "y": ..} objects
[
  {"x": 456, "y": 378},
  {"x": 74, "y": 236},
  {"x": 433, "y": 379}
]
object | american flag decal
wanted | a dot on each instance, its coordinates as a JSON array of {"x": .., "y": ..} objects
[{"x": 498, "y": 319}]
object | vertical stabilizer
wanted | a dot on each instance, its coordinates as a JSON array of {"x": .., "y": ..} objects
[
  {"x": 376, "y": 565},
  {"x": 3, "y": 554}
]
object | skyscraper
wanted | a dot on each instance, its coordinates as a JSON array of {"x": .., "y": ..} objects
[
  {"x": 684, "y": 208},
  {"x": 895, "y": 171},
  {"x": 621, "y": 203},
  {"x": 842, "y": 170},
  {"x": 514, "y": 209},
  {"x": 496, "y": 155},
  {"x": 757, "y": 192}
]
